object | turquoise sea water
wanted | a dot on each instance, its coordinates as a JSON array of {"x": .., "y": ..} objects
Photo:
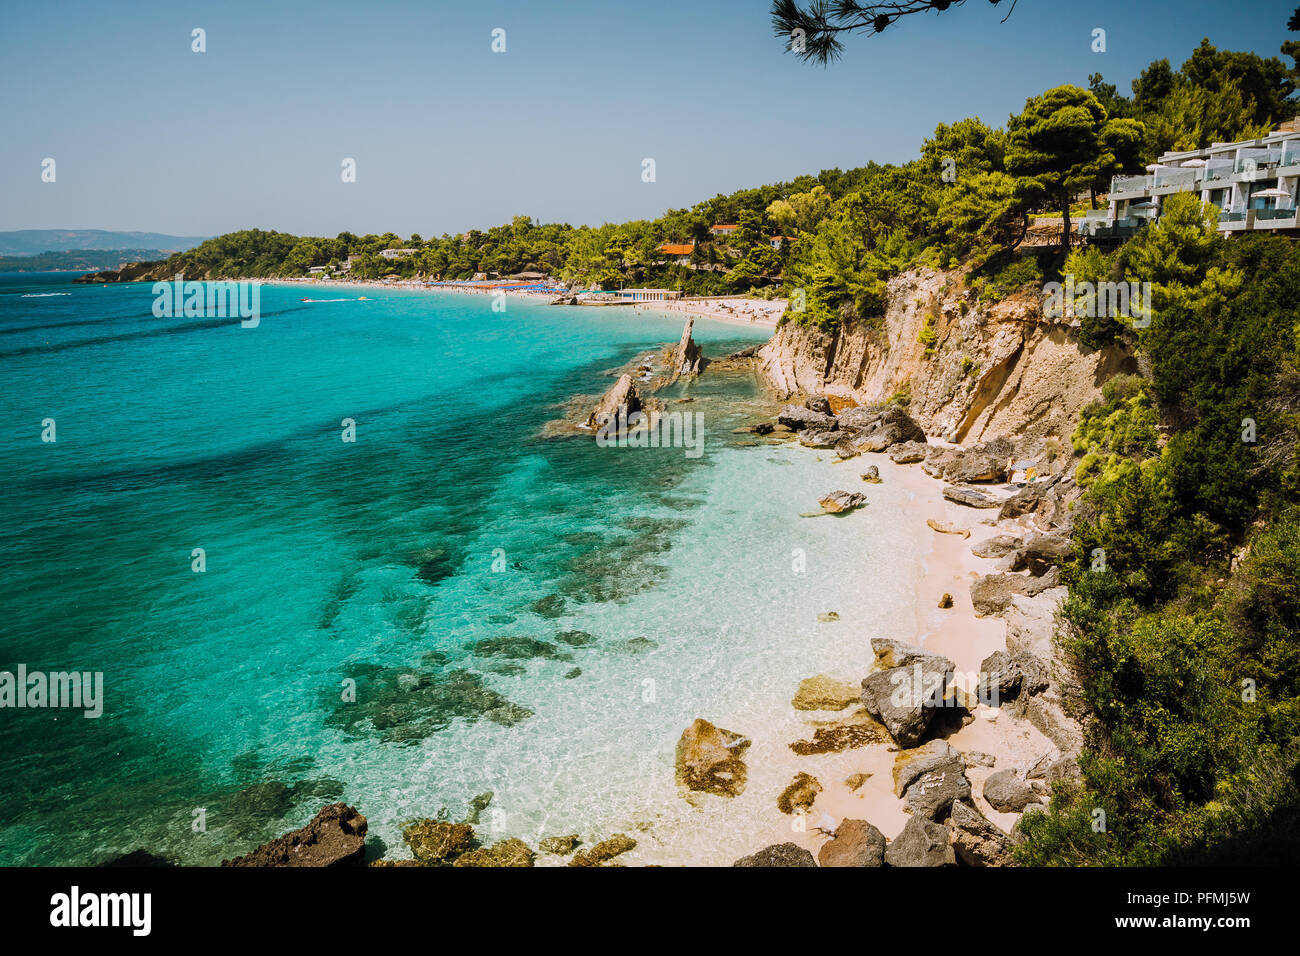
[{"x": 410, "y": 562}]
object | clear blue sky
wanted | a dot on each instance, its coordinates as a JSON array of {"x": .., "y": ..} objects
[{"x": 447, "y": 135}]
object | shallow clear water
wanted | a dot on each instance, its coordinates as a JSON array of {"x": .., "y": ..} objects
[{"x": 409, "y": 562}]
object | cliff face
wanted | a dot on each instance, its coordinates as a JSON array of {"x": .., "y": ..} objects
[{"x": 991, "y": 370}]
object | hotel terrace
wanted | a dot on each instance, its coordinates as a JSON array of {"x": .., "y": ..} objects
[{"x": 1253, "y": 183}]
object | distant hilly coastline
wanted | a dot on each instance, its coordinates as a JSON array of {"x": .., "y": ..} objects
[
  {"x": 31, "y": 242},
  {"x": 79, "y": 260}
]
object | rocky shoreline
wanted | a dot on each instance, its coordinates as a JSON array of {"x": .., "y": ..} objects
[
  {"x": 949, "y": 796},
  {"x": 949, "y": 766}
]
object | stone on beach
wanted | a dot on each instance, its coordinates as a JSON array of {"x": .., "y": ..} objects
[
  {"x": 841, "y": 501},
  {"x": 930, "y": 778},
  {"x": 854, "y": 843},
  {"x": 709, "y": 759},
  {"x": 944, "y": 528},
  {"x": 908, "y": 452},
  {"x": 993, "y": 593},
  {"x": 922, "y": 843},
  {"x": 969, "y": 497},
  {"x": 975, "y": 840},
  {"x": 1008, "y": 792},
  {"x": 905, "y": 695},
  {"x": 998, "y": 546},
  {"x": 818, "y": 438},
  {"x": 872, "y": 475},
  {"x": 779, "y": 854}
]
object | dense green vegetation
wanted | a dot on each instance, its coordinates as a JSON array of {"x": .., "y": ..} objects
[{"x": 1184, "y": 608}]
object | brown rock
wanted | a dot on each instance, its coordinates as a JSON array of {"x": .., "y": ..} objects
[
  {"x": 335, "y": 837},
  {"x": 709, "y": 759},
  {"x": 604, "y": 851},
  {"x": 855, "y": 843},
  {"x": 435, "y": 841}
]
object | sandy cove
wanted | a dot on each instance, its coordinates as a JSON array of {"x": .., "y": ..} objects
[{"x": 717, "y": 830}]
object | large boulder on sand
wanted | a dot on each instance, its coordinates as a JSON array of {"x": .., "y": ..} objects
[
  {"x": 998, "y": 546},
  {"x": 1008, "y": 792},
  {"x": 855, "y": 843},
  {"x": 779, "y": 854},
  {"x": 909, "y": 452},
  {"x": 930, "y": 778},
  {"x": 968, "y": 497},
  {"x": 709, "y": 759},
  {"x": 838, "y": 501},
  {"x": 335, "y": 837},
  {"x": 922, "y": 843},
  {"x": 1041, "y": 553},
  {"x": 904, "y": 696},
  {"x": 975, "y": 840},
  {"x": 993, "y": 593},
  {"x": 968, "y": 466}
]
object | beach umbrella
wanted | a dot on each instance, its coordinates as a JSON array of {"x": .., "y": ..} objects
[
  {"x": 1195, "y": 164},
  {"x": 1274, "y": 193}
]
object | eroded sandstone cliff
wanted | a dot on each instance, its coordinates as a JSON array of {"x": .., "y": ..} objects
[{"x": 974, "y": 371}]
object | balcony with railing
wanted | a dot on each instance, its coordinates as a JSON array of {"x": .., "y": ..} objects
[
  {"x": 1232, "y": 215},
  {"x": 1290, "y": 155},
  {"x": 1257, "y": 160},
  {"x": 1129, "y": 186},
  {"x": 1175, "y": 178},
  {"x": 1281, "y": 212},
  {"x": 1218, "y": 171}
]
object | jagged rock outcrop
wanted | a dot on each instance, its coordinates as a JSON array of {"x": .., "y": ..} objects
[
  {"x": 688, "y": 359},
  {"x": 622, "y": 399},
  {"x": 335, "y": 837},
  {"x": 1000, "y": 369}
]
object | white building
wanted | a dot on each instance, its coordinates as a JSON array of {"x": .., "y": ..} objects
[
  {"x": 648, "y": 295},
  {"x": 1253, "y": 183}
]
